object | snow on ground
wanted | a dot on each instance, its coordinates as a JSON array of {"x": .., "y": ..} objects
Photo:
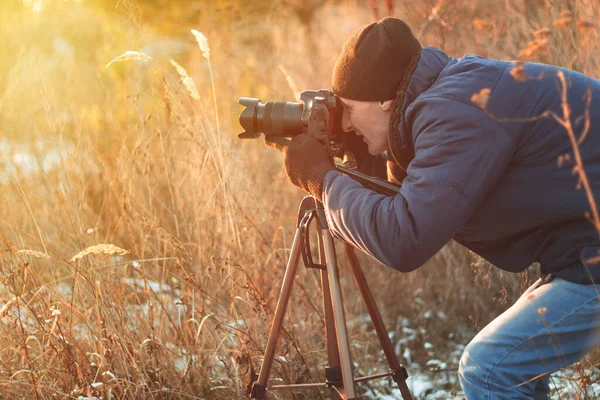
[
  {"x": 427, "y": 386},
  {"x": 432, "y": 379},
  {"x": 437, "y": 377},
  {"x": 30, "y": 159}
]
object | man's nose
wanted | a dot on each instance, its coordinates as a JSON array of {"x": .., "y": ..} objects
[{"x": 346, "y": 124}]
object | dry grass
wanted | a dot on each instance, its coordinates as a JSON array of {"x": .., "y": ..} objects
[{"x": 125, "y": 158}]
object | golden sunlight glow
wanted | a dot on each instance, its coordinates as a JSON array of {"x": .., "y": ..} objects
[{"x": 35, "y": 5}]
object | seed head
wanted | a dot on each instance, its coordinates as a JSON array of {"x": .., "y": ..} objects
[{"x": 202, "y": 43}]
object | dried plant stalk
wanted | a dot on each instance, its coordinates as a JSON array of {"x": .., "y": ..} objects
[
  {"x": 100, "y": 249},
  {"x": 187, "y": 80},
  {"x": 33, "y": 253},
  {"x": 129, "y": 55}
]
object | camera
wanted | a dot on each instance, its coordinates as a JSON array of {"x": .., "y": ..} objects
[{"x": 319, "y": 115}]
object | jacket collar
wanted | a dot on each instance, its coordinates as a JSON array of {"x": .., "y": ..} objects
[{"x": 431, "y": 63}]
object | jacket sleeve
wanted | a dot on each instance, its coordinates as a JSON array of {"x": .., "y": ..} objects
[{"x": 460, "y": 155}]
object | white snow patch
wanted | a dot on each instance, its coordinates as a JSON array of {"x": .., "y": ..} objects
[{"x": 156, "y": 287}]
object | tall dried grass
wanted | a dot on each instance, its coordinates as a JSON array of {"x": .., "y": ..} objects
[{"x": 207, "y": 219}]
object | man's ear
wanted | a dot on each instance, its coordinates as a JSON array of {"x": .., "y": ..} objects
[{"x": 386, "y": 105}]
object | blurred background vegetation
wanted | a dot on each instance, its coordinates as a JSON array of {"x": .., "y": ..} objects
[{"x": 124, "y": 155}]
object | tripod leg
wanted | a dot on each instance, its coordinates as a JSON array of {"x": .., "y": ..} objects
[
  {"x": 399, "y": 371},
  {"x": 333, "y": 371},
  {"x": 339, "y": 316},
  {"x": 260, "y": 386}
]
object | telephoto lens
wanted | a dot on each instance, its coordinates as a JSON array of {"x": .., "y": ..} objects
[{"x": 274, "y": 118}]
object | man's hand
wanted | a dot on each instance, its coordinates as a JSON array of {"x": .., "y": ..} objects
[
  {"x": 306, "y": 161},
  {"x": 357, "y": 146},
  {"x": 365, "y": 162}
]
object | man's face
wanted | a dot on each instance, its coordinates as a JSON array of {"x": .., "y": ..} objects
[{"x": 369, "y": 119}]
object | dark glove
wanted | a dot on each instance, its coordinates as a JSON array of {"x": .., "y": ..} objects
[
  {"x": 306, "y": 161},
  {"x": 365, "y": 162}
]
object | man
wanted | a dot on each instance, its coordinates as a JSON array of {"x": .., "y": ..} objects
[{"x": 487, "y": 157}]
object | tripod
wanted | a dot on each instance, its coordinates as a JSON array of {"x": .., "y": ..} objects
[{"x": 338, "y": 375}]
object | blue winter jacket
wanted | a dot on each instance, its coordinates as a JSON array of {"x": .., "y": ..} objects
[{"x": 499, "y": 180}]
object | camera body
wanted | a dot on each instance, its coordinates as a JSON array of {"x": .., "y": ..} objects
[{"x": 319, "y": 115}]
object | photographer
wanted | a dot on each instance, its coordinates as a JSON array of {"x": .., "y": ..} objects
[{"x": 486, "y": 156}]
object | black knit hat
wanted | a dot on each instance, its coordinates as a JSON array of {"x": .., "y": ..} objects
[{"x": 375, "y": 60}]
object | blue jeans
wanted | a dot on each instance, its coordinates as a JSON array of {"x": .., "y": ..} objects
[{"x": 550, "y": 327}]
